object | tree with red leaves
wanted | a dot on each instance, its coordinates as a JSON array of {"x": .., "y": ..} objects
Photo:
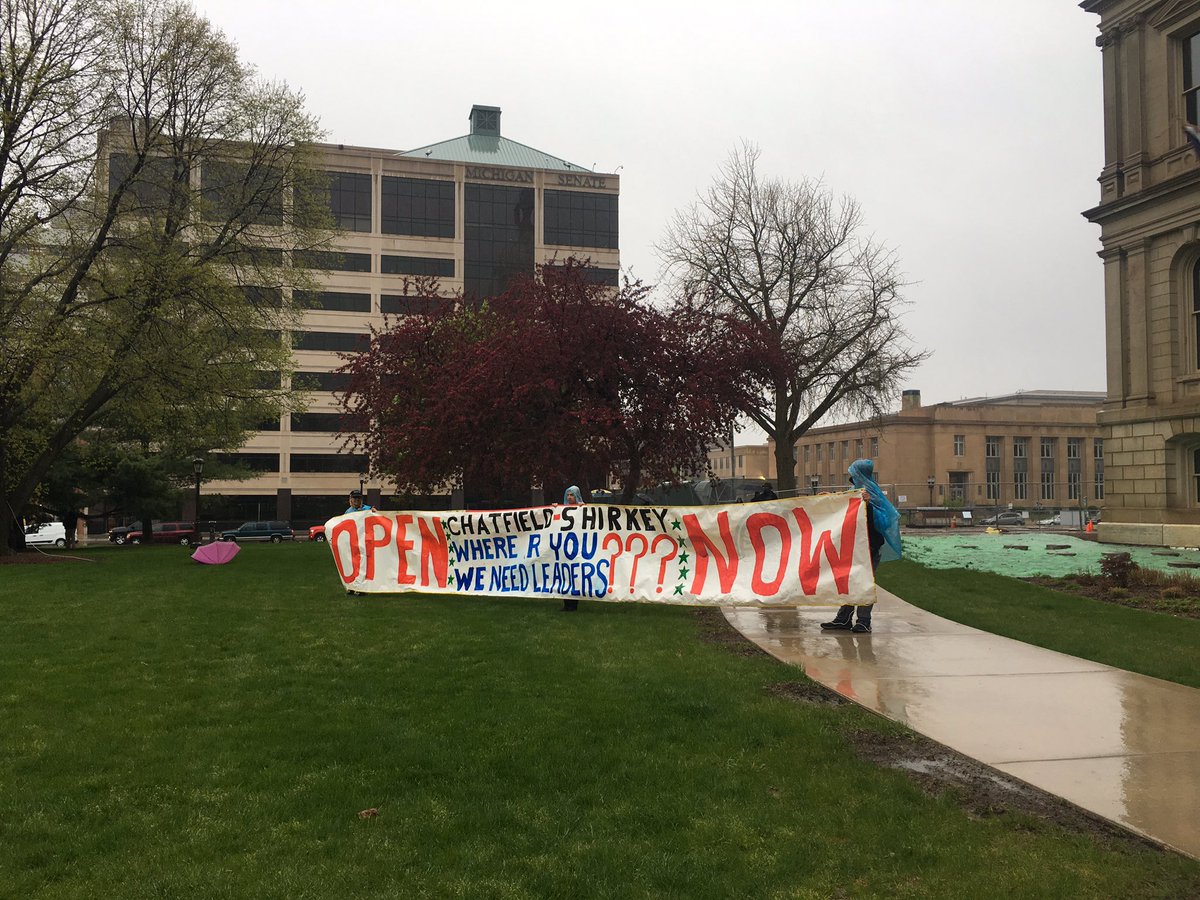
[{"x": 559, "y": 380}]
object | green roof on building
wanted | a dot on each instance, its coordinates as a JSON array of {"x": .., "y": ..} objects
[
  {"x": 491, "y": 150},
  {"x": 484, "y": 146}
]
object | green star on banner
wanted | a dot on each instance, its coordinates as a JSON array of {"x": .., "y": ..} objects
[{"x": 679, "y": 589}]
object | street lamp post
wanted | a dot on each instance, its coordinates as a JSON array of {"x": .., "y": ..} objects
[
  {"x": 813, "y": 481},
  {"x": 931, "y": 482},
  {"x": 198, "y": 469}
]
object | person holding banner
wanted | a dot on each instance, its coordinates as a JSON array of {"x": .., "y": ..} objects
[
  {"x": 883, "y": 536},
  {"x": 356, "y": 503},
  {"x": 572, "y": 497},
  {"x": 356, "y": 506}
]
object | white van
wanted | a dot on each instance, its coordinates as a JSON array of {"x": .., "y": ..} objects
[{"x": 50, "y": 533}]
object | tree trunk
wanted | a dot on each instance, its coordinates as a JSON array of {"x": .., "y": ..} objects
[
  {"x": 634, "y": 478},
  {"x": 785, "y": 464}
]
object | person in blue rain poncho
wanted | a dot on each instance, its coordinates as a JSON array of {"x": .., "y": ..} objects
[{"x": 883, "y": 535}]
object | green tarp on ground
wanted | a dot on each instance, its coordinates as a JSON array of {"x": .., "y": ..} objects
[{"x": 1000, "y": 553}]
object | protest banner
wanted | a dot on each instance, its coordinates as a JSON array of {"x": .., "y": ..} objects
[{"x": 807, "y": 550}]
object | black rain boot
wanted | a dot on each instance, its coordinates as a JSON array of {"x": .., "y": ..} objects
[{"x": 843, "y": 621}]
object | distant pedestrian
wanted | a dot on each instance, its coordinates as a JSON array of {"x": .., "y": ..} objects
[
  {"x": 883, "y": 536},
  {"x": 766, "y": 493}
]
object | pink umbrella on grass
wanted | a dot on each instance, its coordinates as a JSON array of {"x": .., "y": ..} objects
[{"x": 217, "y": 553}]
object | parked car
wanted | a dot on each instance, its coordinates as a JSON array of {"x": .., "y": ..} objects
[
  {"x": 1053, "y": 520},
  {"x": 49, "y": 533},
  {"x": 316, "y": 533},
  {"x": 120, "y": 534},
  {"x": 164, "y": 533},
  {"x": 274, "y": 532},
  {"x": 1008, "y": 517}
]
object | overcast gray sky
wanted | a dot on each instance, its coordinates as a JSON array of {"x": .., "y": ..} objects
[{"x": 970, "y": 132}]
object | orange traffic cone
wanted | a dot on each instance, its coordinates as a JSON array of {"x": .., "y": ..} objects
[{"x": 1090, "y": 527}]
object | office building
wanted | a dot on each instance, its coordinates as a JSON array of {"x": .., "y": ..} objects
[{"x": 472, "y": 211}]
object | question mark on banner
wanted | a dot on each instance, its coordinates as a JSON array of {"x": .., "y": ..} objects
[
  {"x": 645, "y": 550},
  {"x": 612, "y": 560},
  {"x": 662, "y": 566}
]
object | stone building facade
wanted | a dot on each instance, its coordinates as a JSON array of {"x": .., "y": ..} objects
[
  {"x": 1033, "y": 451},
  {"x": 1149, "y": 214}
]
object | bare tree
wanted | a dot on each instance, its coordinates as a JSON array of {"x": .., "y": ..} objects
[
  {"x": 785, "y": 266},
  {"x": 150, "y": 186}
]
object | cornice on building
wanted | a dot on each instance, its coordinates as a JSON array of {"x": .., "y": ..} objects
[
  {"x": 1183, "y": 183},
  {"x": 950, "y": 412}
]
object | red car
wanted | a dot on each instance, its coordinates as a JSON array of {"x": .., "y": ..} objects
[
  {"x": 317, "y": 533},
  {"x": 169, "y": 532}
]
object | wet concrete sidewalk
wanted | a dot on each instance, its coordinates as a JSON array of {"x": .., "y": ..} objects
[{"x": 1124, "y": 746}]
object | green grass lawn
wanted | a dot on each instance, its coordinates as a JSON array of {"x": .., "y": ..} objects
[
  {"x": 1151, "y": 643},
  {"x": 175, "y": 730}
]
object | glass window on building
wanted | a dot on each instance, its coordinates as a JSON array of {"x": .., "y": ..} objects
[
  {"x": 818, "y": 446},
  {"x": 326, "y": 423},
  {"x": 993, "y": 485},
  {"x": 350, "y": 200},
  {"x": 1098, "y": 449},
  {"x": 874, "y": 448},
  {"x": 845, "y": 450},
  {"x": 580, "y": 219},
  {"x": 1049, "y": 447},
  {"x": 327, "y": 462},
  {"x": 338, "y": 301},
  {"x": 333, "y": 260},
  {"x": 341, "y": 342},
  {"x": 1191, "y": 78},
  {"x": 263, "y": 297},
  {"x": 407, "y": 305},
  {"x": 1020, "y": 447},
  {"x": 321, "y": 381},
  {"x": 858, "y": 448},
  {"x": 1074, "y": 483},
  {"x": 1098, "y": 486},
  {"x": 1048, "y": 485},
  {"x": 146, "y": 193},
  {"x": 498, "y": 238},
  {"x": 242, "y": 193},
  {"x": 1196, "y": 316},
  {"x": 991, "y": 446},
  {"x": 960, "y": 445},
  {"x": 390, "y": 264},
  {"x": 806, "y": 452},
  {"x": 1020, "y": 486},
  {"x": 416, "y": 206},
  {"x": 1074, "y": 448},
  {"x": 254, "y": 462}
]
